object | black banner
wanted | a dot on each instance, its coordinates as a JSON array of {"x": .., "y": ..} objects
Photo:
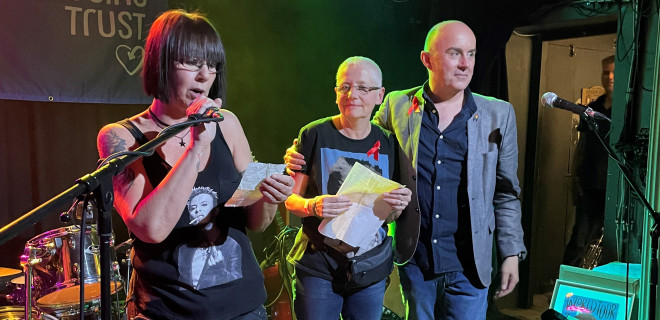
[{"x": 86, "y": 51}]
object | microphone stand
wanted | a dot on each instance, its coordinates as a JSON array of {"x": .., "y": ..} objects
[
  {"x": 654, "y": 233},
  {"x": 99, "y": 183}
]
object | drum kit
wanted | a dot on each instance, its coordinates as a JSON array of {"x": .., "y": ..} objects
[{"x": 49, "y": 285}]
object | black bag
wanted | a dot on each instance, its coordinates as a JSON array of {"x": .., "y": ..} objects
[{"x": 371, "y": 266}]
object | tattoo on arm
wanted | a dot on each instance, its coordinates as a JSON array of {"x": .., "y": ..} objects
[{"x": 113, "y": 143}]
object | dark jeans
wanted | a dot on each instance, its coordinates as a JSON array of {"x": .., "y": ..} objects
[
  {"x": 446, "y": 296},
  {"x": 317, "y": 299},
  {"x": 589, "y": 217},
  {"x": 258, "y": 313}
]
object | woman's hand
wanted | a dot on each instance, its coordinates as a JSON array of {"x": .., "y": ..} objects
[
  {"x": 329, "y": 206},
  {"x": 276, "y": 188},
  {"x": 205, "y": 132}
]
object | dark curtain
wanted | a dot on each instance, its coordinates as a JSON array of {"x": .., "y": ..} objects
[{"x": 45, "y": 148}]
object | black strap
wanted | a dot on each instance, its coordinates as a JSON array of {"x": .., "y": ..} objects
[{"x": 135, "y": 132}]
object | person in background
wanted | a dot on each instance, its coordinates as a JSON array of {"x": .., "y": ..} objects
[
  {"x": 591, "y": 175},
  {"x": 173, "y": 201}
]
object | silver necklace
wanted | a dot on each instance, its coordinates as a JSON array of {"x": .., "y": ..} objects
[{"x": 163, "y": 125}]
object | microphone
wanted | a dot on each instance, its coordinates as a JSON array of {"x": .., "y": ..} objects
[
  {"x": 211, "y": 114},
  {"x": 551, "y": 314},
  {"x": 551, "y": 100}
]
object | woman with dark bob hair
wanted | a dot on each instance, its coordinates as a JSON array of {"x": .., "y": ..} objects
[{"x": 192, "y": 258}]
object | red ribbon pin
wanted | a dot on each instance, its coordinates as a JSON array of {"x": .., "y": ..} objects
[
  {"x": 374, "y": 150},
  {"x": 414, "y": 106}
]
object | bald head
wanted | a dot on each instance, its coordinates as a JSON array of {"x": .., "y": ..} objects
[
  {"x": 445, "y": 29},
  {"x": 366, "y": 63},
  {"x": 449, "y": 56}
]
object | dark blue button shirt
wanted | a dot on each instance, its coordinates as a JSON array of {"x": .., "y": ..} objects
[{"x": 442, "y": 190}]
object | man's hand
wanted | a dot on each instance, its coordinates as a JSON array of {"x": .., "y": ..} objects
[
  {"x": 398, "y": 199},
  {"x": 509, "y": 276},
  {"x": 293, "y": 160}
]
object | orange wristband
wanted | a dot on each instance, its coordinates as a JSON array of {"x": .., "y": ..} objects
[{"x": 307, "y": 207}]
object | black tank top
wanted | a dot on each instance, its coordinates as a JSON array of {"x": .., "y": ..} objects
[{"x": 205, "y": 268}]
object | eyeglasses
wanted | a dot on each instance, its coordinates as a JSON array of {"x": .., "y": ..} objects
[
  {"x": 195, "y": 65},
  {"x": 345, "y": 88}
]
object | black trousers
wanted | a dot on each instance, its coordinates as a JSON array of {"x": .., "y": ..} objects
[{"x": 589, "y": 217}]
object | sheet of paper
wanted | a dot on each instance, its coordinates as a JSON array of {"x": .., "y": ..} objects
[
  {"x": 248, "y": 189},
  {"x": 359, "y": 224}
]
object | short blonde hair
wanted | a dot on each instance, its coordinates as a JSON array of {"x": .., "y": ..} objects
[{"x": 359, "y": 60}]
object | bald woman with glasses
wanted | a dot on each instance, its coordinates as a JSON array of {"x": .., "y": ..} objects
[{"x": 331, "y": 146}]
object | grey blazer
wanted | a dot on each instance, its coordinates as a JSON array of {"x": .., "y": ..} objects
[{"x": 493, "y": 188}]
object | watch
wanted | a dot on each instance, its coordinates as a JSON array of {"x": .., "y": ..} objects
[{"x": 519, "y": 255}]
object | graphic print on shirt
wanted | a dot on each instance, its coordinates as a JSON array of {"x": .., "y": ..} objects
[
  {"x": 336, "y": 164},
  {"x": 211, "y": 261}
]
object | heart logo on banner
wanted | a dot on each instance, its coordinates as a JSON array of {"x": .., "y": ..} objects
[{"x": 130, "y": 58}]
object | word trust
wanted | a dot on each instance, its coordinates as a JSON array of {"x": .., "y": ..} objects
[{"x": 123, "y": 24}]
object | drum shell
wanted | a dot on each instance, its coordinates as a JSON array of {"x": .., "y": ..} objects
[
  {"x": 59, "y": 250},
  {"x": 56, "y": 283}
]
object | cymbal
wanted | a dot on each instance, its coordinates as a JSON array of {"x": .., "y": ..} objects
[
  {"x": 7, "y": 274},
  {"x": 19, "y": 281}
]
